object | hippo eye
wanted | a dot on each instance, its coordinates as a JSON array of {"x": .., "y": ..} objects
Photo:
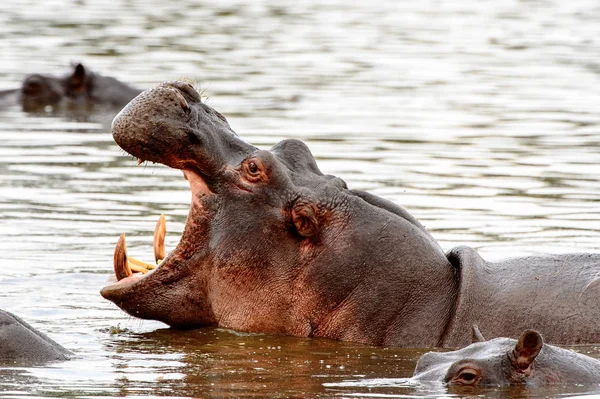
[
  {"x": 253, "y": 170},
  {"x": 467, "y": 376},
  {"x": 252, "y": 167}
]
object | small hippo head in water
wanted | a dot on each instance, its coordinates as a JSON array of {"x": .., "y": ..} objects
[
  {"x": 505, "y": 361},
  {"x": 79, "y": 88}
]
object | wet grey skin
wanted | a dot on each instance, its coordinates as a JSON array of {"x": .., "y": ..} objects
[
  {"x": 273, "y": 245},
  {"x": 22, "y": 344},
  {"x": 79, "y": 88},
  {"x": 503, "y": 362}
]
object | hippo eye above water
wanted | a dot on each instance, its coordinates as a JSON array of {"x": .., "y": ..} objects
[{"x": 467, "y": 376}]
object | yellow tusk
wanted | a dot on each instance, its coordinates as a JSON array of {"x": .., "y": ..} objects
[
  {"x": 159, "y": 239},
  {"x": 139, "y": 264},
  {"x": 120, "y": 263},
  {"x": 136, "y": 268}
]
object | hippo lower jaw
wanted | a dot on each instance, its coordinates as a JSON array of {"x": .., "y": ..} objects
[{"x": 132, "y": 276}]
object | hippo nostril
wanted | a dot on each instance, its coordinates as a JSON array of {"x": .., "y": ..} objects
[
  {"x": 187, "y": 90},
  {"x": 182, "y": 101}
]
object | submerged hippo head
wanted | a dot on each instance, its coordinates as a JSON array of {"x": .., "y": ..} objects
[
  {"x": 39, "y": 91},
  {"x": 505, "y": 361},
  {"x": 271, "y": 244},
  {"x": 80, "y": 87}
]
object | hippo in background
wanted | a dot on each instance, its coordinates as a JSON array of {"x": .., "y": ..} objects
[
  {"x": 22, "y": 344},
  {"x": 505, "y": 361},
  {"x": 79, "y": 89}
]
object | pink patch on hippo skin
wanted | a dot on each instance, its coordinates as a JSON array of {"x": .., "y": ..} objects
[
  {"x": 197, "y": 184},
  {"x": 552, "y": 377}
]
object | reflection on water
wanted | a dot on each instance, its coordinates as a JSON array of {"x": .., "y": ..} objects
[{"x": 482, "y": 118}]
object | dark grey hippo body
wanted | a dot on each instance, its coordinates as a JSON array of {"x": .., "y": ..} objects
[
  {"x": 557, "y": 294},
  {"x": 505, "y": 361},
  {"x": 21, "y": 343},
  {"x": 80, "y": 88},
  {"x": 272, "y": 244}
]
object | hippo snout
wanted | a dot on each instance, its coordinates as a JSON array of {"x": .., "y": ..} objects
[
  {"x": 156, "y": 120},
  {"x": 169, "y": 124}
]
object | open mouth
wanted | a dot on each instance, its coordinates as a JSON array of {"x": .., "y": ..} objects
[
  {"x": 129, "y": 270},
  {"x": 125, "y": 266}
]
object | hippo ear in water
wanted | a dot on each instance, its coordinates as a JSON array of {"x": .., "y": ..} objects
[
  {"x": 78, "y": 79},
  {"x": 526, "y": 350},
  {"x": 476, "y": 335},
  {"x": 304, "y": 216}
]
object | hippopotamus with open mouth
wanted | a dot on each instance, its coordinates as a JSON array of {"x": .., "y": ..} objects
[
  {"x": 79, "y": 88},
  {"x": 271, "y": 244},
  {"x": 504, "y": 361}
]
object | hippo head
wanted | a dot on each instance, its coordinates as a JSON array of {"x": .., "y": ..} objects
[
  {"x": 500, "y": 361},
  {"x": 39, "y": 91},
  {"x": 271, "y": 244},
  {"x": 504, "y": 361}
]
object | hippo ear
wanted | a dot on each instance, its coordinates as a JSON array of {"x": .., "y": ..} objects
[
  {"x": 304, "y": 216},
  {"x": 526, "y": 350},
  {"x": 78, "y": 78}
]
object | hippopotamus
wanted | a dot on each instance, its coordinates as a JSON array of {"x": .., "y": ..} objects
[
  {"x": 271, "y": 244},
  {"x": 79, "y": 88},
  {"x": 21, "y": 343},
  {"x": 505, "y": 361}
]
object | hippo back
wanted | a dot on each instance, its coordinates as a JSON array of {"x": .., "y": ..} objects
[{"x": 21, "y": 343}]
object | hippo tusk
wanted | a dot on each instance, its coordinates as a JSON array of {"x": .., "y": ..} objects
[
  {"x": 159, "y": 239},
  {"x": 121, "y": 265},
  {"x": 137, "y": 265},
  {"x": 125, "y": 265}
]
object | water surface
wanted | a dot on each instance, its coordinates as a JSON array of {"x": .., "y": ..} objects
[{"x": 481, "y": 118}]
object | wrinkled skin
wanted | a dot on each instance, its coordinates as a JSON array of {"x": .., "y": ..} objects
[
  {"x": 81, "y": 88},
  {"x": 504, "y": 361},
  {"x": 20, "y": 343},
  {"x": 271, "y": 244}
]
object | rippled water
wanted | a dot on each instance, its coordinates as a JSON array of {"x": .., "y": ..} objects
[{"x": 481, "y": 118}]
